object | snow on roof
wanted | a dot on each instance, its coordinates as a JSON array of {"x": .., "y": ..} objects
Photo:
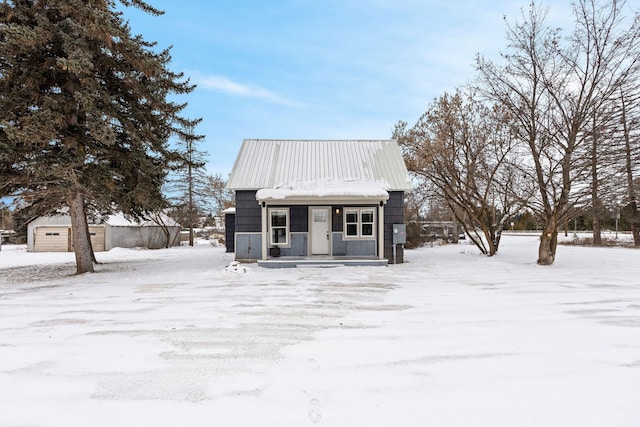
[
  {"x": 229, "y": 211},
  {"x": 325, "y": 189},
  {"x": 279, "y": 164},
  {"x": 115, "y": 220},
  {"x": 120, "y": 220}
]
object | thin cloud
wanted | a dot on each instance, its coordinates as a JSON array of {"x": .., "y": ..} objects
[{"x": 227, "y": 86}]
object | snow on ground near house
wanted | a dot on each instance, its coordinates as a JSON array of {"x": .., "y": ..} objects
[{"x": 182, "y": 337}]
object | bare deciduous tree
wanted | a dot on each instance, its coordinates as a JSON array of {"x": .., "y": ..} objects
[
  {"x": 553, "y": 90},
  {"x": 463, "y": 148},
  {"x": 630, "y": 121},
  {"x": 220, "y": 197}
]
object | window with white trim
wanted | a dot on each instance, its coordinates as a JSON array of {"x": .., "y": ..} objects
[
  {"x": 279, "y": 226},
  {"x": 366, "y": 222},
  {"x": 359, "y": 223},
  {"x": 351, "y": 222}
]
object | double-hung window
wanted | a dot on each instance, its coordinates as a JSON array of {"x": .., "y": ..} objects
[
  {"x": 351, "y": 222},
  {"x": 366, "y": 222},
  {"x": 359, "y": 223},
  {"x": 279, "y": 226}
]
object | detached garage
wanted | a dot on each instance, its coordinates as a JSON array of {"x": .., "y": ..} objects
[
  {"x": 53, "y": 234},
  {"x": 58, "y": 239}
]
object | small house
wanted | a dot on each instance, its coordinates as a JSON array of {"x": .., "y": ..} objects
[
  {"x": 53, "y": 233},
  {"x": 318, "y": 200}
]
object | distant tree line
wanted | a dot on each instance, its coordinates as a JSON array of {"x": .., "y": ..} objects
[{"x": 551, "y": 130}]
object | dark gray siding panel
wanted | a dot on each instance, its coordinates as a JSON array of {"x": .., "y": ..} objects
[
  {"x": 298, "y": 247},
  {"x": 248, "y": 212},
  {"x": 229, "y": 232},
  {"x": 338, "y": 246},
  {"x": 299, "y": 216},
  {"x": 336, "y": 218},
  {"x": 393, "y": 214},
  {"x": 248, "y": 246}
]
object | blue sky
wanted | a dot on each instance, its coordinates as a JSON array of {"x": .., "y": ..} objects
[{"x": 321, "y": 69}]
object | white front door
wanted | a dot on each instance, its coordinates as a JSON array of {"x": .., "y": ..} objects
[{"x": 320, "y": 218}]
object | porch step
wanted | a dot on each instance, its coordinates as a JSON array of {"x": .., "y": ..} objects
[{"x": 320, "y": 263}]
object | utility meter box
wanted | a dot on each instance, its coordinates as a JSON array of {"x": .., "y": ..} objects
[{"x": 399, "y": 234}]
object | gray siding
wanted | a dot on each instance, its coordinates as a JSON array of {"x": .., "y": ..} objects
[
  {"x": 248, "y": 213},
  {"x": 393, "y": 214},
  {"x": 298, "y": 247},
  {"x": 143, "y": 237},
  {"x": 299, "y": 217},
  {"x": 336, "y": 218},
  {"x": 230, "y": 232},
  {"x": 248, "y": 246},
  {"x": 356, "y": 248}
]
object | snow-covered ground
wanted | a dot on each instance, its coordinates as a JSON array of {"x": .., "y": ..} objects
[{"x": 179, "y": 337}]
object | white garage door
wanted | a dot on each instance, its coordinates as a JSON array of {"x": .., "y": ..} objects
[
  {"x": 58, "y": 239},
  {"x": 97, "y": 238},
  {"x": 52, "y": 239}
]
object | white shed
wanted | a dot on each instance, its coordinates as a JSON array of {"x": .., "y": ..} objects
[{"x": 53, "y": 234}]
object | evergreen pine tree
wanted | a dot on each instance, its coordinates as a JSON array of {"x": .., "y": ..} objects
[
  {"x": 84, "y": 115},
  {"x": 187, "y": 184}
]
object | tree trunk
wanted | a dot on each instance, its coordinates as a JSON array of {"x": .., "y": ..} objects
[
  {"x": 93, "y": 254},
  {"x": 167, "y": 236},
  {"x": 190, "y": 187},
  {"x": 596, "y": 209},
  {"x": 634, "y": 216},
  {"x": 597, "y": 227},
  {"x": 496, "y": 241},
  {"x": 634, "y": 220},
  {"x": 491, "y": 240},
  {"x": 548, "y": 244},
  {"x": 157, "y": 218},
  {"x": 79, "y": 235},
  {"x": 454, "y": 230}
]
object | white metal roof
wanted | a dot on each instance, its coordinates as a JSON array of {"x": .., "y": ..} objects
[{"x": 314, "y": 164}]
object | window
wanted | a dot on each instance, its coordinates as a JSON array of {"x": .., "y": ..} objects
[
  {"x": 319, "y": 215},
  {"x": 279, "y": 225},
  {"x": 366, "y": 222},
  {"x": 351, "y": 223},
  {"x": 359, "y": 223}
]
